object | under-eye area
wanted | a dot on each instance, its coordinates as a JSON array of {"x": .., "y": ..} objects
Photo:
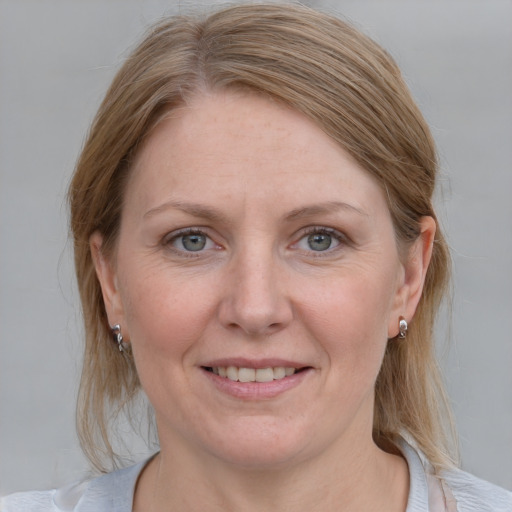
[{"x": 241, "y": 374}]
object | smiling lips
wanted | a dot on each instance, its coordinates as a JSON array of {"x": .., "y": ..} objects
[
  {"x": 241, "y": 374},
  {"x": 247, "y": 380}
]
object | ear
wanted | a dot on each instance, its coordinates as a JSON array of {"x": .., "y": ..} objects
[
  {"x": 415, "y": 268},
  {"x": 105, "y": 271}
]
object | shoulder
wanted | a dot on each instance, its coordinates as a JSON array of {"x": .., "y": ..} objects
[
  {"x": 451, "y": 490},
  {"x": 112, "y": 492},
  {"x": 41, "y": 501},
  {"x": 475, "y": 495}
]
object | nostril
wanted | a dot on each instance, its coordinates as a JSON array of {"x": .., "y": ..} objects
[{"x": 253, "y": 315}]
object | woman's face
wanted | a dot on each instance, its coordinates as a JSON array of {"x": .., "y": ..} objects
[{"x": 258, "y": 279}]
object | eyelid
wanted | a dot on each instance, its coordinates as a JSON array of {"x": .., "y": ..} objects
[
  {"x": 169, "y": 238},
  {"x": 183, "y": 232},
  {"x": 342, "y": 238},
  {"x": 321, "y": 229}
]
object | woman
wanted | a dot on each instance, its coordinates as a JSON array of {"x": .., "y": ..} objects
[{"x": 256, "y": 249}]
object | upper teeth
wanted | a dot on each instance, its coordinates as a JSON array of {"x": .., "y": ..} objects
[{"x": 253, "y": 374}]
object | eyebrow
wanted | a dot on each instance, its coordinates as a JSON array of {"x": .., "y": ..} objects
[
  {"x": 323, "y": 208},
  {"x": 194, "y": 209},
  {"x": 212, "y": 214}
]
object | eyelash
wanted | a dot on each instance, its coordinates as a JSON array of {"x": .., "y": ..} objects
[
  {"x": 322, "y": 230},
  {"x": 169, "y": 239},
  {"x": 335, "y": 234}
]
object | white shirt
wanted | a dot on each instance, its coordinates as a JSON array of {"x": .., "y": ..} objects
[{"x": 452, "y": 491}]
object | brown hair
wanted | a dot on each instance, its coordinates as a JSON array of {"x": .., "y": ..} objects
[{"x": 353, "y": 90}]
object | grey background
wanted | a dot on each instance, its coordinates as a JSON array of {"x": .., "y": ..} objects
[{"x": 56, "y": 60}]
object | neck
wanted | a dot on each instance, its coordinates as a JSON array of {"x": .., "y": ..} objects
[{"x": 350, "y": 477}]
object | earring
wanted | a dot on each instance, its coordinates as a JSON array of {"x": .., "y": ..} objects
[
  {"x": 402, "y": 328},
  {"x": 118, "y": 337}
]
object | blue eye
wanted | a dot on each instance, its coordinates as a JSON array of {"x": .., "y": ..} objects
[
  {"x": 319, "y": 240},
  {"x": 191, "y": 241}
]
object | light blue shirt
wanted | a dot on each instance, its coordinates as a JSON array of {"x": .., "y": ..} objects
[{"x": 452, "y": 491}]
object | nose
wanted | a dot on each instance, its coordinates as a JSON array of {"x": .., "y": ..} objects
[{"x": 255, "y": 299}]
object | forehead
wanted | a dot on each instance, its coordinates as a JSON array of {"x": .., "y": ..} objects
[{"x": 227, "y": 146}]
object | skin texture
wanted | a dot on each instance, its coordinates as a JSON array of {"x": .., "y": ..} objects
[{"x": 253, "y": 179}]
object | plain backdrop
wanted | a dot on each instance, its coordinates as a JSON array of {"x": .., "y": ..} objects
[{"x": 56, "y": 60}]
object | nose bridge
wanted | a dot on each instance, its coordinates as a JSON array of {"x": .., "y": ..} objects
[{"x": 256, "y": 299}]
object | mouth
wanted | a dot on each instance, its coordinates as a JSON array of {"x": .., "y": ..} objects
[{"x": 241, "y": 374}]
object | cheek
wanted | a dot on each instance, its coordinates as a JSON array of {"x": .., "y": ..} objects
[
  {"x": 164, "y": 313},
  {"x": 350, "y": 319},
  {"x": 166, "y": 320},
  {"x": 354, "y": 302}
]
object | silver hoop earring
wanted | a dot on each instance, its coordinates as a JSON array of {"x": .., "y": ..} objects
[
  {"x": 402, "y": 328},
  {"x": 118, "y": 337}
]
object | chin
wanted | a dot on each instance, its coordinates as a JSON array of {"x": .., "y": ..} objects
[{"x": 260, "y": 446}]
